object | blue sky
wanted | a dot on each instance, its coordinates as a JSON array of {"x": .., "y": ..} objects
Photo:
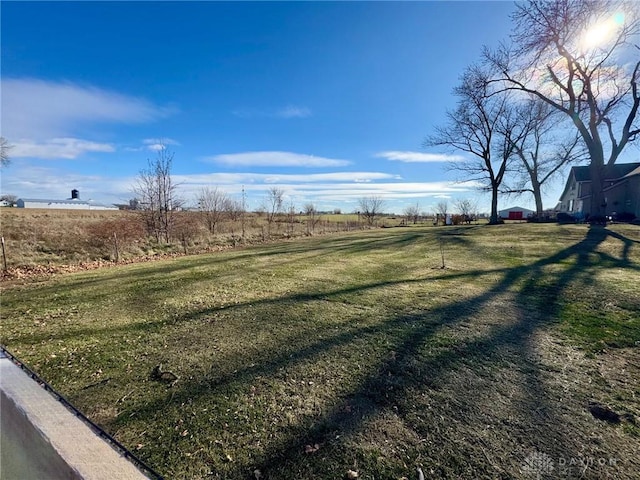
[{"x": 330, "y": 101}]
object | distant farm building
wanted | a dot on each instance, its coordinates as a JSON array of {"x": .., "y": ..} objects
[
  {"x": 73, "y": 203},
  {"x": 515, "y": 213}
]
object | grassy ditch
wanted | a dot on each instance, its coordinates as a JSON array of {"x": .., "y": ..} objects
[{"x": 310, "y": 358}]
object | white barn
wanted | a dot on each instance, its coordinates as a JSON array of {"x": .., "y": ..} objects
[
  {"x": 515, "y": 213},
  {"x": 73, "y": 203}
]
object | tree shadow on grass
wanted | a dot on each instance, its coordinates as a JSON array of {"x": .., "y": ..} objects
[
  {"x": 383, "y": 391},
  {"x": 145, "y": 279},
  {"x": 536, "y": 291}
]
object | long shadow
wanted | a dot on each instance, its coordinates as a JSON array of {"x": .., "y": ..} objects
[
  {"x": 381, "y": 390},
  {"x": 292, "y": 298},
  {"x": 378, "y": 394},
  {"x": 531, "y": 285},
  {"x": 317, "y": 247}
]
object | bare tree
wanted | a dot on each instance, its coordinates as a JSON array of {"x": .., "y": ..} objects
[
  {"x": 233, "y": 209},
  {"x": 134, "y": 204},
  {"x": 273, "y": 204},
  {"x": 158, "y": 195},
  {"x": 312, "y": 217},
  {"x": 370, "y": 208},
  {"x": 291, "y": 216},
  {"x": 10, "y": 199},
  {"x": 5, "y": 147},
  {"x": 578, "y": 57},
  {"x": 482, "y": 125},
  {"x": 466, "y": 208},
  {"x": 543, "y": 149},
  {"x": 213, "y": 203},
  {"x": 412, "y": 212},
  {"x": 442, "y": 208}
]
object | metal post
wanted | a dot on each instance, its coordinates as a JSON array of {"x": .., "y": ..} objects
[{"x": 4, "y": 257}]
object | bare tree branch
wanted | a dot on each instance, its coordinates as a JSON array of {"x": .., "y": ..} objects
[{"x": 593, "y": 84}]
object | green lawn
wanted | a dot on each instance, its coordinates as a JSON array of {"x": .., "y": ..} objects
[{"x": 356, "y": 351}]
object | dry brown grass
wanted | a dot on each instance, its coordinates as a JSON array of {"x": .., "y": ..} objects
[{"x": 49, "y": 241}]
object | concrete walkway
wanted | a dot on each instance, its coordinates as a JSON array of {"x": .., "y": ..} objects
[{"x": 42, "y": 439}]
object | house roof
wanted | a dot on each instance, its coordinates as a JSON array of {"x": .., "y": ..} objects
[
  {"x": 581, "y": 174},
  {"x": 45, "y": 200},
  {"x": 613, "y": 172},
  {"x": 516, "y": 208}
]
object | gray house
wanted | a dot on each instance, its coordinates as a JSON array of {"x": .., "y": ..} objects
[{"x": 622, "y": 190}]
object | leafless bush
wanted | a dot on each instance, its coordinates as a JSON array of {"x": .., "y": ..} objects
[{"x": 127, "y": 230}]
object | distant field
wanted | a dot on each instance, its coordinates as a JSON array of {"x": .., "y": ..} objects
[
  {"x": 53, "y": 238},
  {"x": 357, "y": 351}
]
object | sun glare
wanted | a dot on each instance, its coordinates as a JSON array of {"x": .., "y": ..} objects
[{"x": 599, "y": 34}]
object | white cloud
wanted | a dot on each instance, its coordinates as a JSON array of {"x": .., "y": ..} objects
[
  {"x": 68, "y": 148},
  {"x": 337, "y": 188},
  {"x": 231, "y": 179},
  {"x": 293, "y": 111},
  {"x": 331, "y": 187},
  {"x": 157, "y": 144},
  {"x": 276, "y": 159},
  {"x": 39, "y": 109},
  {"x": 419, "y": 157}
]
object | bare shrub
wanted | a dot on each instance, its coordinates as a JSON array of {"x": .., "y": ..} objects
[{"x": 113, "y": 235}]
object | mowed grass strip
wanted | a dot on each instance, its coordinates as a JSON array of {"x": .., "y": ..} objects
[{"x": 313, "y": 357}]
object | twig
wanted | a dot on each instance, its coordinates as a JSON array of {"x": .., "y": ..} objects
[
  {"x": 101, "y": 382},
  {"x": 124, "y": 398}
]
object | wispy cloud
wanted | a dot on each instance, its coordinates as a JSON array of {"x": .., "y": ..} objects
[
  {"x": 289, "y": 111},
  {"x": 230, "y": 179},
  {"x": 293, "y": 111},
  {"x": 330, "y": 187},
  {"x": 157, "y": 144},
  {"x": 419, "y": 157},
  {"x": 276, "y": 159},
  {"x": 335, "y": 189},
  {"x": 67, "y": 148},
  {"x": 40, "y": 110}
]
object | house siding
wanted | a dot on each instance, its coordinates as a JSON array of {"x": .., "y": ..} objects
[
  {"x": 622, "y": 193},
  {"x": 624, "y": 197}
]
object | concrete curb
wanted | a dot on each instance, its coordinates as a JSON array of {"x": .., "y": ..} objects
[{"x": 42, "y": 439}]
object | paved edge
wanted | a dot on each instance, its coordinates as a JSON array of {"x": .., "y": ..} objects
[{"x": 57, "y": 431}]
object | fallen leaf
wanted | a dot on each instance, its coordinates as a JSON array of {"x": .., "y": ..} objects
[{"x": 311, "y": 448}]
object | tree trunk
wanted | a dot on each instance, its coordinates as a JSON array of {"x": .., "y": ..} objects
[
  {"x": 493, "y": 219},
  {"x": 537, "y": 195},
  {"x": 598, "y": 203}
]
